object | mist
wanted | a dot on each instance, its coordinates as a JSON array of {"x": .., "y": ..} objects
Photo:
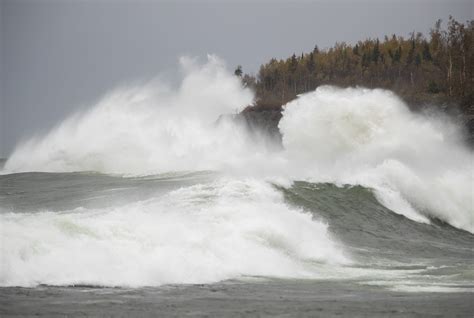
[{"x": 59, "y": 57}]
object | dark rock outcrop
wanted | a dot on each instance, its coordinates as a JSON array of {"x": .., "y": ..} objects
[
  {"x": 263, "y": 118},
  {"x": 260, "y": 121}
]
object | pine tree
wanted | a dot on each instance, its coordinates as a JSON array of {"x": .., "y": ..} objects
[
  {"x": 293, "y": 63},
  {"x": 310, "y": 64},
  {"x": 439, "y": 65},
  {"x": 398, "y": 54},
  {"x": 365, "y": 60},
  {"x": 238, "y": 71},
  {"x": 376, "y": 52},
  {"x": 411, "y": 52},
  {"x": 426, "y": 52}
]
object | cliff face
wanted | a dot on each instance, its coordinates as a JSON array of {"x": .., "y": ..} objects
[{"x": 262, "y": 119}]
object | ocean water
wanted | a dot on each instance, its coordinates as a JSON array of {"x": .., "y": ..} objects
[{"x": 144, "y": 204}]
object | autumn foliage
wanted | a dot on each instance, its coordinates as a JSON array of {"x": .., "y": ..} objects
[{"x": 437, "y": 69}]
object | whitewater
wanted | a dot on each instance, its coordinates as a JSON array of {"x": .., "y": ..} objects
[{"x": 157, "y": 184}]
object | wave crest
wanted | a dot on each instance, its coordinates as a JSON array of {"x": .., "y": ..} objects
[
  {"x": 198, "y": 234},
  {"x": 417, "y": 165}
]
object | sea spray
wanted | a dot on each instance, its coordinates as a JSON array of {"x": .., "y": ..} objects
[
  {"x": 416, "y": 165},
  {"x": 150, "y": 129},
  {"x": 226, "y": 229}
]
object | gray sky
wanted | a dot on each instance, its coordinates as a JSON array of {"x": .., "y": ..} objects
[{"x": 57, "y": 56}]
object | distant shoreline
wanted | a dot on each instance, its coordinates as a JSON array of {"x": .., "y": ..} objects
[{"x": 428, "y": 73}]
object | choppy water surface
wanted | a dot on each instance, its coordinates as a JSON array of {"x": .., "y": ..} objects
[
  {"x": 146, "y": 204},
  {"x": 155, "y": 234}
]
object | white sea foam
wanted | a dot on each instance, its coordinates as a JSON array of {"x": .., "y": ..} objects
[
  {"x": 150, "y": 129},
  {"x": 416, "y": 165},
  {"x": 199, "y": 234}
]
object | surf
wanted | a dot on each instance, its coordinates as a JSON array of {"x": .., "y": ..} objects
[
  {"x": 416, "y": 165},
  {"x": 205, "y": 233}
]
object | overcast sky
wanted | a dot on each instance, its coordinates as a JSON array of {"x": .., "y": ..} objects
[{"x": 59, "y": 56}]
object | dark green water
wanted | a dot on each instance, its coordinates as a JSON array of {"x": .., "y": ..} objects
[{"x": 209, "y": 245}]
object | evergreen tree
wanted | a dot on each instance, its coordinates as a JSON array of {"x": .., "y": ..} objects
[
  {"x": 426, "y": 52},
  {"x": 398, "y": 54},
  {"x": 293, "y": 63},
  {"x": 441, "y": 65},
  {"x": 376, "y": 52},
  {"x": 238, "y": 71},
  {"x": 411, "y": 52},
  {"x": 365, "y": 60},
  {"x": 310, "y": 64}
]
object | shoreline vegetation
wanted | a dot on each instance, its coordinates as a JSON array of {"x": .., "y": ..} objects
[{"x": 429, "y": 73}]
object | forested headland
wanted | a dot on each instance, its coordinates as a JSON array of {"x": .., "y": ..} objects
[{"x": 426, "y": 71}]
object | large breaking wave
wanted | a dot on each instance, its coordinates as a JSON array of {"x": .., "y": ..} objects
[
  {"x": 416, "y": 164},
  {"x": 199, "y": 234}
]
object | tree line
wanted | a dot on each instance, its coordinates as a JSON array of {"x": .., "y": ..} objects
[{"x": 437, "y": 68}]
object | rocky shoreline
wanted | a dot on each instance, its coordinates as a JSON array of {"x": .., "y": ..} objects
[{"x": 264, "y": 117}]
